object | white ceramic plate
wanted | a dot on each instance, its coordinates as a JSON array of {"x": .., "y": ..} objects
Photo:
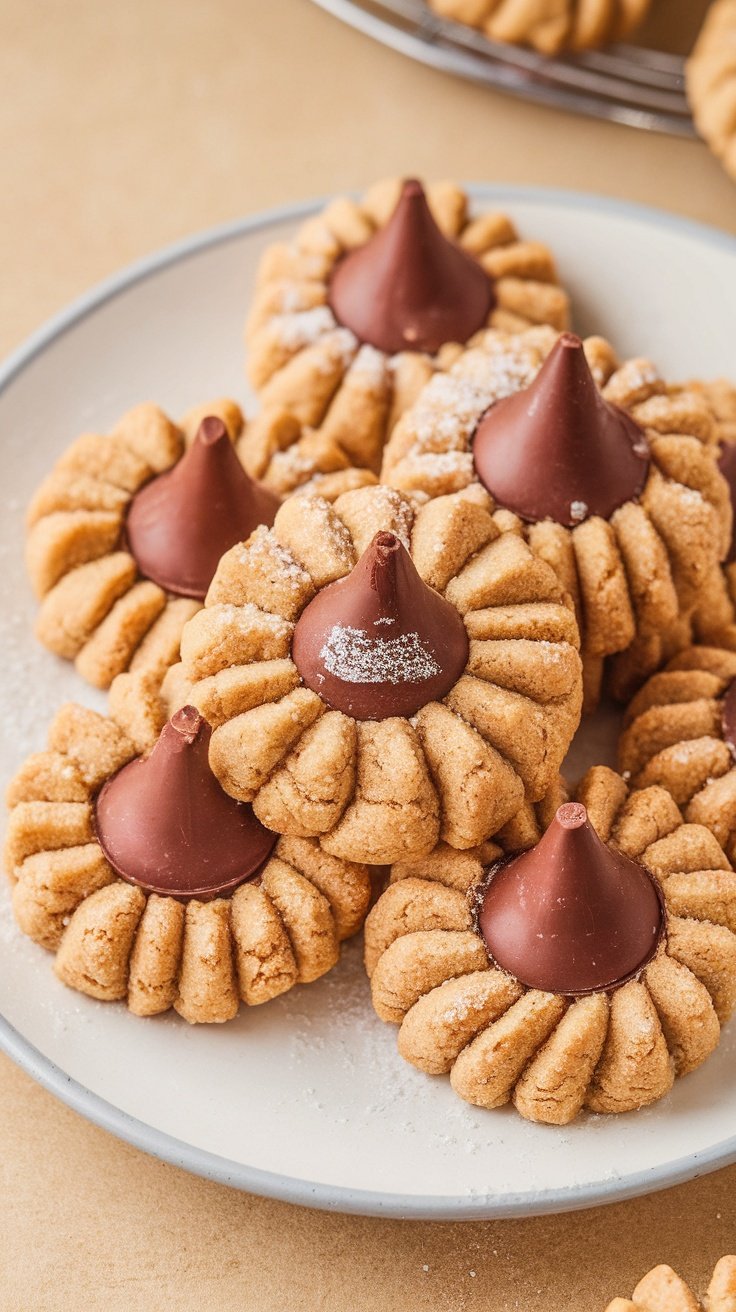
[{"x": 306, "y": 1099}]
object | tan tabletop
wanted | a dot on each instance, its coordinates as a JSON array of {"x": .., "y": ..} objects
[{"x": 123, "y": 127}]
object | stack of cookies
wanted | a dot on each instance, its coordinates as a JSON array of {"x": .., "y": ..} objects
[
  {"x": 548, "y": 26},
  {"x": 348, "y": 645}
]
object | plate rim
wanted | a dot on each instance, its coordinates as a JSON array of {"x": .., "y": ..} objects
[{"x": 212, "y": 1166}]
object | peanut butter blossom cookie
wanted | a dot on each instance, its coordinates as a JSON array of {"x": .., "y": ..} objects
[
  {"x": 126, "y": 532},
  {"x": 356, "y": 314},
  {"x": 548, "y": 25},
  {"x": 714, "y": 621},
  {"x": 379, "y": 675},
  {"x": 152, "y": 885},
  {"x": 662, "y": 1290},
  {"x": 681, "y": 733},
  {"x": 610, "y": 479},
  {"x": 588, "y": 971}
]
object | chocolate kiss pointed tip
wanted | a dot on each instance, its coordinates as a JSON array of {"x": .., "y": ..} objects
[
  {"x": 571, "y": 815},
  {"x": 386, "y": 543},
  {"x": 181, "y": 523},
  {"x": 212, "y": 429},
  {"x": 383, "y": 547},
  {"x": 165, "y": 824},
  {"x": 571, "y": 915},
  {"x": 409, "y": 287},
  {"x": 557, "y": 450},
  {"x": 380, "y": 642},
  {"x": 187, "y": 722}
]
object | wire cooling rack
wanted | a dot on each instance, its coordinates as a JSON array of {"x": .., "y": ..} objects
[{"x": 627, "y": 84}]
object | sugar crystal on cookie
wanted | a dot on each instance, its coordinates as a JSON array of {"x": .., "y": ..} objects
[{"x": 380, "y": 642}]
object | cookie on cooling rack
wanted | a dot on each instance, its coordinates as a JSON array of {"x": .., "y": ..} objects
[
  {"x": 611, "y": 478},
  {"x": 711, "y": 82},
  {"x": 548, "y": 25},
  {"x": 379, "y": 675},
  {"x": 681, "y": 733},
  {"x": 352, "y": 317},
  {"x": 151, "y": 885},
  {"x": 588, "y": 971},
  {"x": 662, "y": 1290}
]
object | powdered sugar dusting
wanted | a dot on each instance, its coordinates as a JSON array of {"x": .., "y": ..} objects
[
  {"x": 292, "y": 465},
  {"x": 339, "y": 348},
  {"x": 351, "y": 655},
  {"x": 369, "y": 368},
  {"x": 245, "y": 618},
  {"x": 394, "y": 512},
  {"x": 691, "y": 497},
  {"x": 683, "y": 754},
  {"x": 640, "y": 373},
  {"x": 263, "y": 548},
  {"x": 633, "y": 382},
  {"x": 462, "y": 1007},
  {"x": 318, "y": 515},
  {"x": 447, "y": 411},
  {"x": 295, "y": 331},
  {"x": 292, "y": 299},
  {"x": 425, "y": 467},
  {"x": 501, "y": 368}
]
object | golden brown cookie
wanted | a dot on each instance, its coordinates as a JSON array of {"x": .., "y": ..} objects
[
  {"x": 635, "y": 572},
  {"x": 172, "y": 931},
  {"x": 662, "y": 1290},
  {"x": 548, "y": 25},
  {"x": 721, "y": 397},
  {"x": 332, "y": 382},
  {"x": 556, "y": 1051},
  {"x": 377, "y": 745},
  {"x": 679, "y": 734},
  {"x": 96, "y": 607},
  {"x": 711, "y": 82},
  {"x": 714, "y": 620},
  {"x": 125, "y": 533}
]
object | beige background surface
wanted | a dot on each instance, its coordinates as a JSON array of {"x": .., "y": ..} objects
[{"x": 123, "y": 127}]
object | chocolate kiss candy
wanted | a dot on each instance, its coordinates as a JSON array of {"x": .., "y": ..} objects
[
  {"x": 728, "y": 717},
  {"x": 164, "y": 822},
  {"x": 571, "y": 915},
  {"x": 557, "y": 450},
  {"x": 380, "y": 642},
  {"x": 727, "y": 466},
  {"x": 180, "y": 524},
  {"x": 409, "y": 288}
]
